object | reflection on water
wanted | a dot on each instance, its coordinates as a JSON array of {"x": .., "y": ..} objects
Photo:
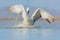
[
  {"x": 20, "y": 34},
  {"x": 43, "y": 32},
  {"x": 29, "y": 34}
]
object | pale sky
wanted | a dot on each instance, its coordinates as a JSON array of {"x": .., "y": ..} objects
[{"x": 51, "y": 6}]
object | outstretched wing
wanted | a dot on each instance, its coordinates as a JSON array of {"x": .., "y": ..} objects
[
  {"x": 19, "y": 9},
  {"x": 40, "y": 13}
]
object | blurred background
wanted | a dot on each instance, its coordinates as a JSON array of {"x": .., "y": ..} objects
[
  {"x": 46, "y": 32},
  {"x": 6, "y": 17}
]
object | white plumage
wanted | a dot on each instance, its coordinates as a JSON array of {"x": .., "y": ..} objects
[{"x": 39, "y": 13}]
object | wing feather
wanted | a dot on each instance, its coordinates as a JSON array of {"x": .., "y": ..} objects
[{"x": 40, "y": 13}]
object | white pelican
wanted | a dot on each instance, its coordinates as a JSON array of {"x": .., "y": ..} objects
[{"x": 39, "y": 13}]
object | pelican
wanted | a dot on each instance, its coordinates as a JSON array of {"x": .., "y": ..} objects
[{"x": 39, "y": 13}]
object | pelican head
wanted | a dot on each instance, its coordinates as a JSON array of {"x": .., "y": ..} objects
[
  {"x": 16, "y": 9},
  {"x": 27, "y": 10}
]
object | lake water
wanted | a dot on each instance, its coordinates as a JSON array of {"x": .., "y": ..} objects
[{"x": 43, "y": 31}]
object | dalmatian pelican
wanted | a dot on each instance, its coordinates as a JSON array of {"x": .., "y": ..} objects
[{"x": 39, "y": 13}]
